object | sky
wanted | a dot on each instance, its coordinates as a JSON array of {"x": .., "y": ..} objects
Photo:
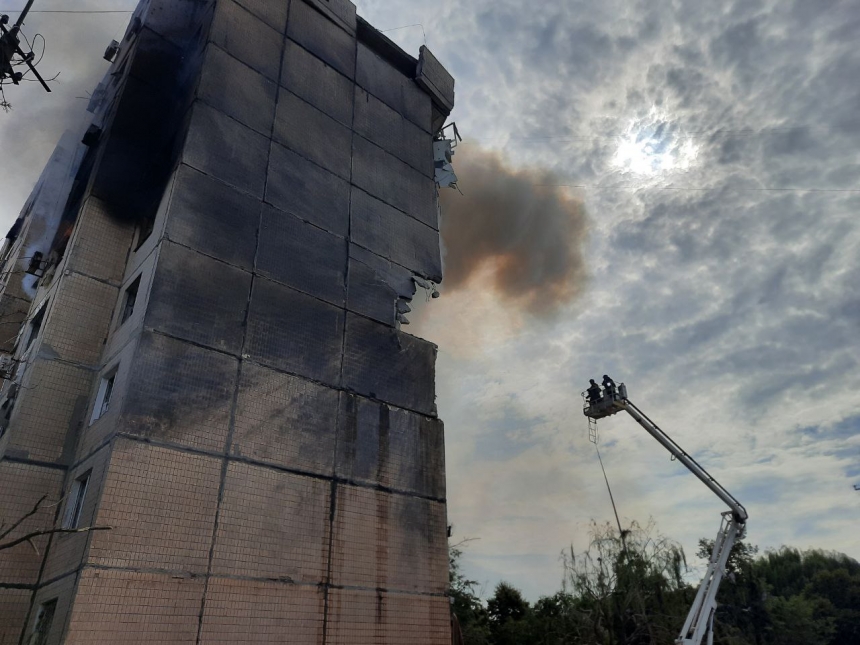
[{"x": 692, "y": 178}]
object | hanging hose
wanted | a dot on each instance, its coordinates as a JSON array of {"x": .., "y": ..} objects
[{"x": 612, "y": 499}]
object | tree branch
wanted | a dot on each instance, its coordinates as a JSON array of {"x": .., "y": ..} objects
[
  {"x": 18, "y": 523},
  {"x": 30, "y": 536}
]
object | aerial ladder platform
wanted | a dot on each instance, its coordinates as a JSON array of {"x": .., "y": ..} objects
[{"x": 613, "y": 399}]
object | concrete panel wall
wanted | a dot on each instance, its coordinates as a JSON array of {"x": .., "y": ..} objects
[
  {"x": 251, "y": 611},
  {"x": 156, "y": 608},
  {"x": 179, "y": 393},
  {"x": 23, "y": 485},
  {"x": 14, "y": 605},
  {"x": 285, "y": 420},
  {"x": 273, "y": 525},
  {"x": 385, "y": 541},
  {"x": 360, "y": 617},
  {"x": 162, "y": 506},
  {"x": 272, "y": 433}
]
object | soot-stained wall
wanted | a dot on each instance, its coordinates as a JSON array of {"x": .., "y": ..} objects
[{"x": 271, "y": 462}]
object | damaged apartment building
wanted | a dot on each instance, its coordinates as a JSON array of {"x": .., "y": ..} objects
[{"x": 210, "y": 414}]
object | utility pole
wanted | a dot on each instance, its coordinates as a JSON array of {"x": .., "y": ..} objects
[{"x": 11, "y": 53}]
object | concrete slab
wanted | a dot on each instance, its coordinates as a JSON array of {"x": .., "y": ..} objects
[
  {"x": 285, "y": 420},
  {"x": 179, "y": 393},
  {"x": 385, "y": 364},
  {"x": 393, "y": 88},
  {"x": 378, "y": 444},
  {"x": 392, "y": 234},
  {"x": 300, "y": 187},
  {"x": 387, "y": 178},
  {"x": 198, "y": 299},
  {"x": 436, "y": 80},
  {"x": 294, "y": 332},
  {"x": 224, "y": 148},
  {"x": 385, "y": 127},
  {"x": 273, "y": 13},
  {"x": 317, "y": 83},
  {"x": 376, "y": 285},
  {"x": 322, "y": 37},
  {"x": 302, "y": 256},
  {"x": 341, "y": 12},
  {"x": 238, "y": 91},
  {"x": 177, "y": 21},
  {"x": 313, "y": 134},
  {"x": 247, "y": 38},
  {"x": 213, "y": 218}
]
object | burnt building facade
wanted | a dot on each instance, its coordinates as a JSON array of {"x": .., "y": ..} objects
[{"x": 206, "y": 384}]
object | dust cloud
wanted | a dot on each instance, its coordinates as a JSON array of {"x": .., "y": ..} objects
[{"x": 513, "y": 231}]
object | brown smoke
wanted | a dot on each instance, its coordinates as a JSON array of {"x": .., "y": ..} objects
[{"x": 519, "y": 225}]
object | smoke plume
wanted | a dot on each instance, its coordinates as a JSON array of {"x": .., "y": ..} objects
[{"x": 517, "y": 226}]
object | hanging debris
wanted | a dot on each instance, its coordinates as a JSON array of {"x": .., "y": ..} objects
[{"x": 443, "y": 153}]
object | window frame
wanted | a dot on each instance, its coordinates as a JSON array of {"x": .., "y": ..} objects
[
  {"x": 34, "y": 328},
  {"x": 75, "y": 503},
  {"x": 104, "y": 395},
  {"x": 41, "y": 625},
  {"x": 131, "y": 292}
]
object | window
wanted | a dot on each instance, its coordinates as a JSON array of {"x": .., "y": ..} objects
[
  {"x": 75, "y": 504},
  {"x": 104, "y": 395},
  {"x": 129, "y": 299},
  {"x": 144, "y": 229},
  {"x": 36, "y": 326},
  {"x": 44, "y": 618}
]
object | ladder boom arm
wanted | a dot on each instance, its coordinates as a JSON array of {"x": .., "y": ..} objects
[{"x": 738, "y": 511}]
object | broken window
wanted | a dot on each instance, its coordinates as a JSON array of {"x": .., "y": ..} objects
[
  {"x": 129, "y": 300},
  {"x": 104, "y": 395},
  {"x": 75, "y": 504},
  {"x": 35, "y": 326},
  {"x": 44, "y": 618}
]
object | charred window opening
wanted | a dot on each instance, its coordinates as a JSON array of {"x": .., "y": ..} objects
[
  {"x": 36, "y": 266},
  {"x": 35, "y": 327},
  {"x": 44, "y": 619},
  {"x": 144, "y": 229},
  {"x": 129, "y": 300},
  {"x": 75, "y": 504},
  {"x": 104, "y": 396}
]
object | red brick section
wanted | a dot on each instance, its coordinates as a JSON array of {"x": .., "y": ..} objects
[
  {"x": 161, "y": 503},
  {"x": 22, "y": 486},
  {"x": 14, "y": 604},
  {"x": 115, "y": 607},
  {"x": 377, "y": 618},
  {"x": 389, "y": 541},
  {"x": 273, "y": 525},
  {"x": 242, "y": 611}
]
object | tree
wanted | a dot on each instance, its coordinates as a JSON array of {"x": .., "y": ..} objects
[
  {"x": 741, "y": 617},
  {"x": 465, "y": 603},
  {"x": 632, "y": 590},
  {"x": 509, "y": 615},
  {"x": 794, "y": 622}
]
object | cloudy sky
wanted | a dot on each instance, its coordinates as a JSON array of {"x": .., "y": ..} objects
[{"x": 699, "y": 165}]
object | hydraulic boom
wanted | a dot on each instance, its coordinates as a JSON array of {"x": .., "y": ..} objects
[{"x": 700, "y": 620}]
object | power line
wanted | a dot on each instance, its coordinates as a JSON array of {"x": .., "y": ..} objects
[
  {"x": 704, "y": 189},
  {"x": 68, "y": 11}
]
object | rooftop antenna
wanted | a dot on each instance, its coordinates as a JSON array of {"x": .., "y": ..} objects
[{"x": 11, "y": 54}]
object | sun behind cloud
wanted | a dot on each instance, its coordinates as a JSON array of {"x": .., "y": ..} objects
[{"x": 655, "y": 145}]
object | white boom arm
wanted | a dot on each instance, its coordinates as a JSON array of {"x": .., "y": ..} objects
[{"x": 700, "y": 620}]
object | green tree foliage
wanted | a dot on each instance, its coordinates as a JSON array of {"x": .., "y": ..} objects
[
  {"x": 631, "y": 590},
  {"x": 471, "y": 616},
  {"x": 510, "y": 616}
]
